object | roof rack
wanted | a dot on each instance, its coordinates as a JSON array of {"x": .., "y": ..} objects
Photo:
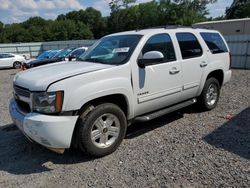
[{"x": 171, "y": 27}]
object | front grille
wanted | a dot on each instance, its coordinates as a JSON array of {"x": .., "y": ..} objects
[{"x": 21, "y": 91}]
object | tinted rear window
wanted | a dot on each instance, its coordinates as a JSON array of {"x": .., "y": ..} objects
[
  {"x": 189, "y": 45},
  {"x": 214, "y": 42}
]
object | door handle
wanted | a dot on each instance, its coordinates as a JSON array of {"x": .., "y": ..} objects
[
  {"x": 203, "y": 64},
  {"x": 174, "y": 70}
]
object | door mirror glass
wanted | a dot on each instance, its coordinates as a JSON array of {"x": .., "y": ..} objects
[{"x": 149, "y": 58}]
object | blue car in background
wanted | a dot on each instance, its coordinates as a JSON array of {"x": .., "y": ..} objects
[
  {"x": 47, "y": 54},
  {"x": 68, "y": 54}
]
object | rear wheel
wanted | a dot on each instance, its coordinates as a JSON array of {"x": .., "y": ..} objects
[
  {"x": 16, "y": 65},
  {"x": 102, "y": 130},
  {"x": 210, "y": 94}
]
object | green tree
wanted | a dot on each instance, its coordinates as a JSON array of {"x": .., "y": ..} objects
[
  {"x": 69, "y": 30},
  {"x": 155, "y": 13},
  {"x": 115, "y": 5},
  {"x": 125, "y": 15},
  {"x": 192, "y": 11},
  {"x": 16, "y": 33},
  {"x": 94, "y": 20},
  {"x": 238, "y": 9},
  {"x": 34, "y": 21},
  {"x": 1, "y": 26},
  {"x": 91, "y": 17}
]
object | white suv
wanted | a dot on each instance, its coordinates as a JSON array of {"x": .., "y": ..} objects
[{"x": 124, "y": 77}]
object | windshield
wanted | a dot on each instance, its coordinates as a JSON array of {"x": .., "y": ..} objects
[
  {"x": 52, "y": 53},
  {"x": 43, "y": 55},
  {"x": 112, "y": 50},
  {"x": 63, "y": 53}
]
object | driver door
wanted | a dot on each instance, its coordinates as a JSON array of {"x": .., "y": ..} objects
[{"x": 158, "y": 84}]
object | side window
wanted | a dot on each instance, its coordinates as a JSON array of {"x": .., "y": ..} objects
[
  {"x": 78, "y": 52},
  {"x": 7, "y": 56},
  {"x": 162, "y": 43},
  {"x": 189, "y": 45},
  {"x": 214, "y": 42}
]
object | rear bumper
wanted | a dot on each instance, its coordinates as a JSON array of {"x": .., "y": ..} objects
[
  {"x": 50, "y": 131},
  {"x": 227, "y": 76}
]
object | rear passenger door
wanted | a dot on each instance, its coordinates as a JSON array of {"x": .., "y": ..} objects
[{"x": 193, "y": 62}]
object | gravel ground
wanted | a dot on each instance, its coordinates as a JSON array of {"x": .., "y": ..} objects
[{"x": 184, "y": 149}]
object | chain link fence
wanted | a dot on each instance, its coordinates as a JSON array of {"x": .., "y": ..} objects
[{"x": 33, "y": 49}]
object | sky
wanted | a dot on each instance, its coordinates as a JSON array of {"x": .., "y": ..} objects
[{"x": 15, "y": 11}]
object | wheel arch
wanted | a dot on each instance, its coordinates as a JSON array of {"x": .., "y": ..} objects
[
  {"x": 218, "y": 74},
  {"x": 16, "y": 61},
  {"x": 118, "y": 99}
]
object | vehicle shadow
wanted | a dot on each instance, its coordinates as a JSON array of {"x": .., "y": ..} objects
[
  {"x": 234, "y": 135},
  {"x": 138, "y": 129},
  {"x": 6, "y": 68},
  {"x": 20, "y": 156},
  {"x": 141, "y": 128}
]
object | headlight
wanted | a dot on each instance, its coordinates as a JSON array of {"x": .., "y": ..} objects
[{"x": 47, "y": 102}]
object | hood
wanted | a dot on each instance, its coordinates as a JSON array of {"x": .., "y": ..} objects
[{"x": 38, "y": 79}]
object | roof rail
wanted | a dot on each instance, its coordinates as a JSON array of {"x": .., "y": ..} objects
[{"x": 171, "y": 27}]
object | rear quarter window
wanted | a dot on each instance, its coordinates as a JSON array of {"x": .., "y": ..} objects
[{"x": 214, "y": 42}]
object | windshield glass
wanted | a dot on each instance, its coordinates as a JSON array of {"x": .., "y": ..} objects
[
  {"x": 43, "y": 55},
  {"x": 63, "y": 53},
  {"x": 112, "y": 50},
  {"x": 52, "y": 53}
]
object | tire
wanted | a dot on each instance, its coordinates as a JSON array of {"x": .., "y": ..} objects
[
  {"x": 16, "y": 65},
  {"x": 102, "y": 130},
  {"x": 210, "y": 94}
]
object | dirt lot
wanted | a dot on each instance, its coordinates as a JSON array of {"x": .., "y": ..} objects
[{"x": 184, "y": 149}]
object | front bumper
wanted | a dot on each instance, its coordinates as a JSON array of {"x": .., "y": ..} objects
[{"x": 54, "y": 132}]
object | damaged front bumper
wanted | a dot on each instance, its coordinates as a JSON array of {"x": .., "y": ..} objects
[{"x": 53, "y": 132}]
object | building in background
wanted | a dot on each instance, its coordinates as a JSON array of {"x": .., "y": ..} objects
[
  {"x": 237, "y": 34},
  {"x": 228, "y": 27}
]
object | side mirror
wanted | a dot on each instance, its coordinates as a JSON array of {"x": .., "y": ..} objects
[{"x": 150, "y": 58}]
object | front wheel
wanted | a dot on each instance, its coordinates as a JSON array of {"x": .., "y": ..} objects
[
  {"x": 102, "y": 130},
  {"x": 16, "y": 65},
  {"x": 210, "y": 94}
]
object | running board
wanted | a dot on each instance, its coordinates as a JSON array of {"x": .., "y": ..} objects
[{"x": 148, "y": 117}]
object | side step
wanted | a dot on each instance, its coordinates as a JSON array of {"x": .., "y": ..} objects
[{"x": 148, "y": 117}]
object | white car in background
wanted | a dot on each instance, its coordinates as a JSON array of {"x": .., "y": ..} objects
[{"x": 11, "y": 60}]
